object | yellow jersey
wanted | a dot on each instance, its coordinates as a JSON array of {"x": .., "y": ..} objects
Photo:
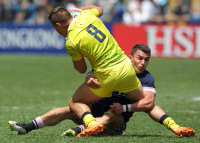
[{"x": 89, "y": 37}]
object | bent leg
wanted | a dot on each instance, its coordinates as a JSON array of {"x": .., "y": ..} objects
[
  {"x": 51, "y": 118},
  {"x": 156, "y": 113},
  {"x": 57, "y": 115},
  {"x": 113, "y": 125},
  {"x": 81, "y": 99}
]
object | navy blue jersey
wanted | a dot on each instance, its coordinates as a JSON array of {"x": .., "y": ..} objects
[
  {"x": 103, "y": 105},
  {"x": 146, "y": 79}
]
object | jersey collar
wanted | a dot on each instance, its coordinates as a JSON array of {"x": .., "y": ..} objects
[
  {"x": 69, "y": 27},
  {"x": 71, "y": 24}
]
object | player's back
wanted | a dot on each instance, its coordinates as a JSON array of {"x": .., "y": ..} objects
[{"x": 92, "y": 39}]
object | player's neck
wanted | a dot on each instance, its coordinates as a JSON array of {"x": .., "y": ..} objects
[{"x": 68, "y": 25}]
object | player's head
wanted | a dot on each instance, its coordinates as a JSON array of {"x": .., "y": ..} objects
[
  {"x": 60, "y": 20},
  {"x": 140, "y": 56}
]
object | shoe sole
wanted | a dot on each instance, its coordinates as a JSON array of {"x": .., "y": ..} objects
[
  {"x": 91, "y": 131},
  {"x": 12, "y": 129},
  {"x": 68, "y": 134},
  {"x": 186, "y": 133},
  {"x": 10, "y": 126}
]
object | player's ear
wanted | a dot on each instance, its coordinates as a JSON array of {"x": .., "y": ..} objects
[
  {"x": 58, "y": 24},
  {"x": 130, "y": 56}
]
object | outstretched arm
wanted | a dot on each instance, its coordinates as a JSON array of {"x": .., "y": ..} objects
[{"x": 100, "y": 9}]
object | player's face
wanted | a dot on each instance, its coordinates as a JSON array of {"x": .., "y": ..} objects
[
  {"x": 60, "y": 29},
  {"x": 140, "y": 61}
]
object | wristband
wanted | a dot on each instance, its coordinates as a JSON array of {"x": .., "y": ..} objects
[
  {"x": 129, "y": 107},
  {"x": 124, "y": 108},
  {"x": 89, "y": 73}
]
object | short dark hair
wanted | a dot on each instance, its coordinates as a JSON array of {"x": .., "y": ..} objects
[
  {"x": 59, "y": 14},
  {"x": 142, "y": 47}
]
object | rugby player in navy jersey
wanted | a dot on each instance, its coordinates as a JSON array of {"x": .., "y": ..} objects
[
  {"x": 115, "y": 124},
  {"x": 113, "y": 112}
]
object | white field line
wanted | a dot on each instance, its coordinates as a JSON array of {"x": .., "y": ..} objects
[
  {"x": 188, "y": 111},
  {"x": 196, "y": 99},
  {"x": 19, "y": 107}
]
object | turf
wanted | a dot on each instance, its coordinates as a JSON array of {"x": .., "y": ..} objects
[{"x": 31, "y": 85}]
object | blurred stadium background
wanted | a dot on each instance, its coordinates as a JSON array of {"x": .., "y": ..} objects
[
  {"x": 36, "y": 75},
  {"x": 169, "y": 27}
]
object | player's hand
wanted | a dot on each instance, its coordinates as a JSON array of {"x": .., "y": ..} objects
[
  {"x": 117, "y": 107},
  {"x": 92, "y": 81}
]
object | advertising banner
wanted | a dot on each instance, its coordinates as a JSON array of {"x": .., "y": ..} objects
[
  {"x": 164, "y": 40},
  {"x": 30, "y": 39}
]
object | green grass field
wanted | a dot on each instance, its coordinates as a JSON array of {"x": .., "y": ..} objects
[{"x": 31, "y": 85}]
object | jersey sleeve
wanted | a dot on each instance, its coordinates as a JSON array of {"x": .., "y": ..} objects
[
  {"x": 92, "y": 11},
  {"x": 148, "y": 84},
  {"x": 72, "y": 51}
]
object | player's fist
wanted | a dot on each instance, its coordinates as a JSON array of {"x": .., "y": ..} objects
[
  {"x": 92, "y": 81},
  {"x": 117, "y": 107}
]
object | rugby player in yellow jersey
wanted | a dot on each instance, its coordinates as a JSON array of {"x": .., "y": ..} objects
[{"x": 87, "y": 36}]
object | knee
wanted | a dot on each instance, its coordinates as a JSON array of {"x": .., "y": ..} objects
[
  {"x": 70, "y": 102},
  {"x": 151, "y": 106}
]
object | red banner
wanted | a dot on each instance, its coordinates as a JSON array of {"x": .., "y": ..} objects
[{"x": 164, "y": 40}]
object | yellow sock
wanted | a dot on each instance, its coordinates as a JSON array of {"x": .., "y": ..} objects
[
  {"x": 89, "y": 120},
  {"x": 170, "y": 124}
]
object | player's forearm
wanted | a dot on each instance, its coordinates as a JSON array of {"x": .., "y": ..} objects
[
  {"x": 88, "y": 7},
  {"x": 145, "y": 104},
  {"x": 142, "y": 105},
  {"x": 80, "y": 70},
  {"x": 93, "y": 7},
  {"x": 80, "y": 65}
]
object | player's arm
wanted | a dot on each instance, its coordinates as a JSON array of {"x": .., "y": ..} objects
[
  {"x": 145, "y": 104},
  {"x": 91, "y": 80},
  {"x": 77, "y": 58},
  {"x": 80, "y": 65},
  {"x": 100, "y": 9}
]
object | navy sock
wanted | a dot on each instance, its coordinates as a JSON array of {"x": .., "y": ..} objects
[
  {"x": 30, "y": 126},
  {"x": 163, "y": 118},
  {"x": 77, "y": 130}
]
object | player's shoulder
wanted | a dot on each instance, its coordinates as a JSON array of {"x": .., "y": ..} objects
[
  {"x": 149, "y": 75},
  {"x": 146, "y": 74},
  {"x": 146, "y": 78}
]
